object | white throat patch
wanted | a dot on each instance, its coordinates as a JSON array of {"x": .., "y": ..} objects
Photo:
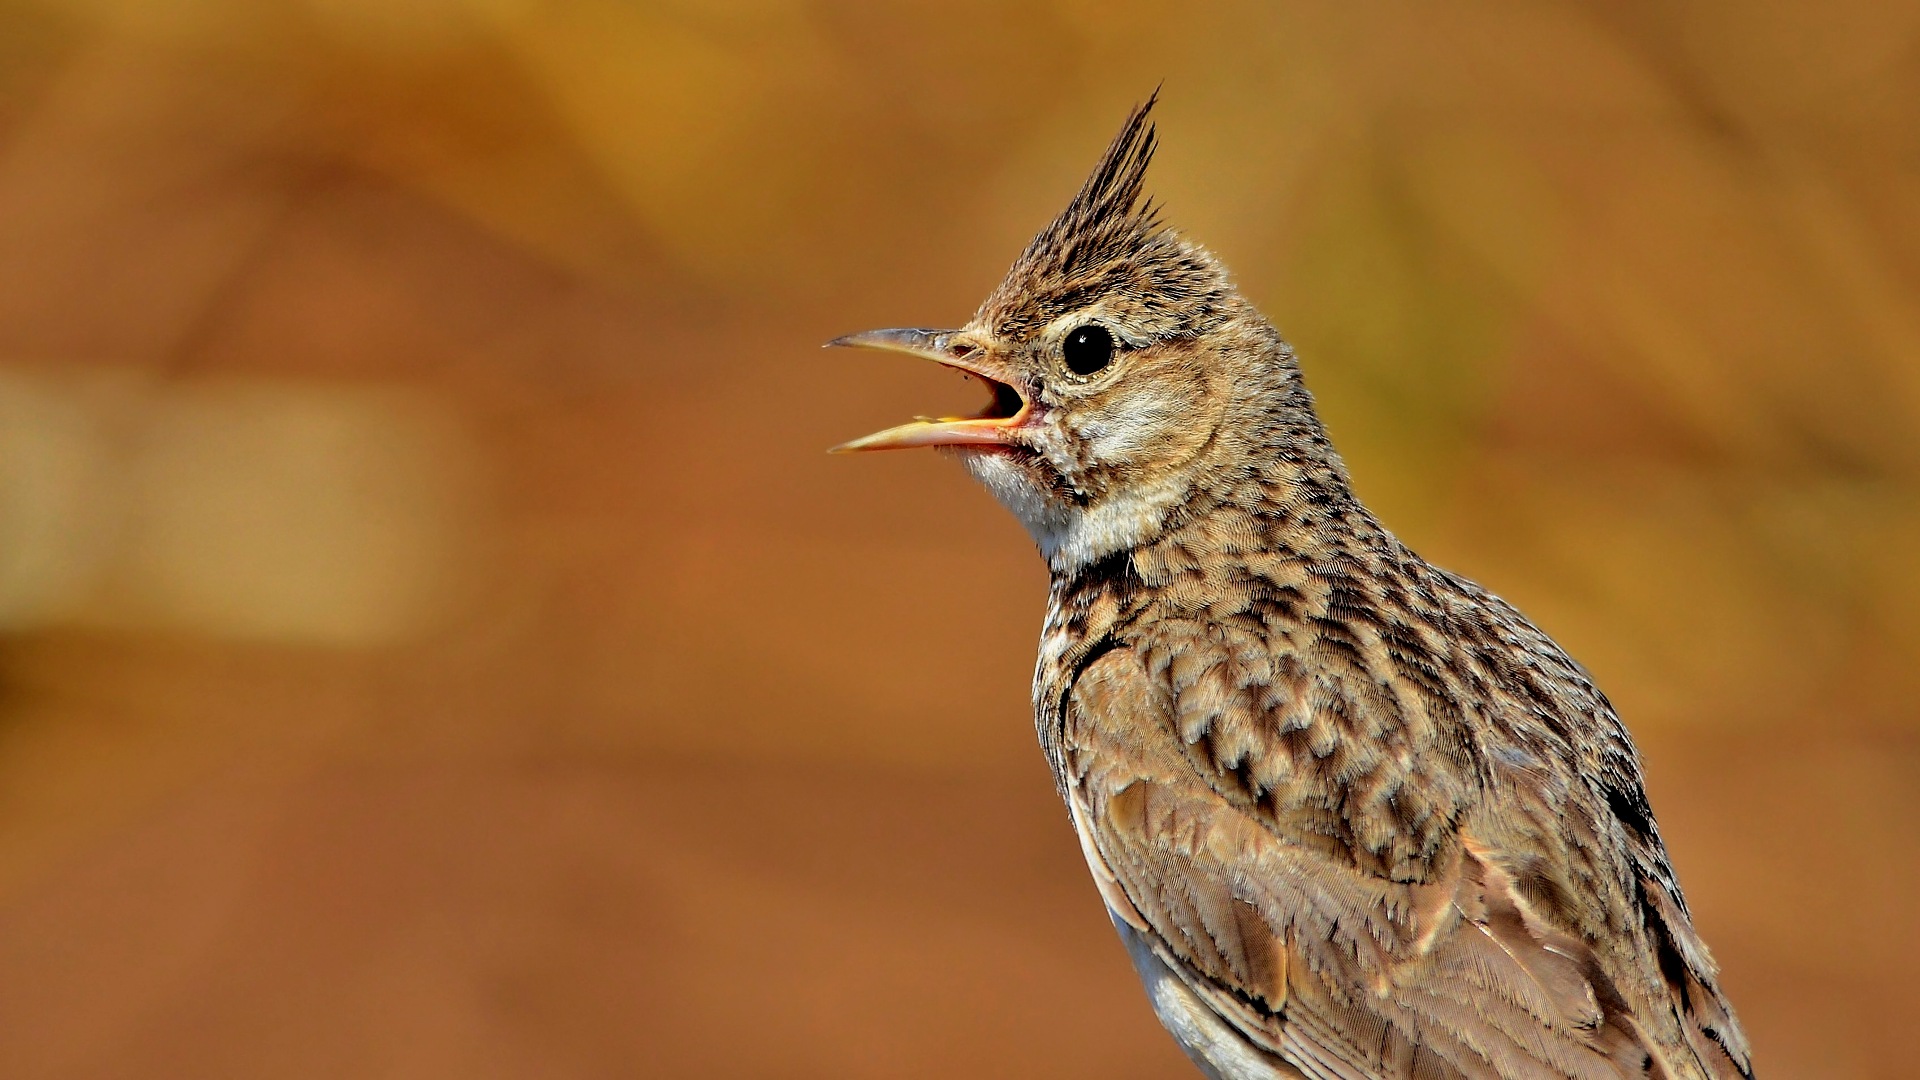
[{"x": 1072, "y": 537}]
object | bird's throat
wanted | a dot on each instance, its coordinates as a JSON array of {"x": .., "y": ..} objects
[{"x": 1073, "y": 535}]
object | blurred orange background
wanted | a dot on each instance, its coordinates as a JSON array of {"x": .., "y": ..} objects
[{"x": 436, "y": 645}]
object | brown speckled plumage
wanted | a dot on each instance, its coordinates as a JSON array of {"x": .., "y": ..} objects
[{"x": 1354, "y": 816}]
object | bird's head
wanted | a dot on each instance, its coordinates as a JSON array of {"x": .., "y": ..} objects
[{"x": 1125, "y": 371}]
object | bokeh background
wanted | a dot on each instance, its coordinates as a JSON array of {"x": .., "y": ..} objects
[{"x": 434, "y": 644}]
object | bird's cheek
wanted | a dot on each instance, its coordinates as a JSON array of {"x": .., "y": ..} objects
[{"x": 1146, "y": 430}]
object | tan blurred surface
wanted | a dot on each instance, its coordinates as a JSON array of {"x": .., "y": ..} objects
[{"x": 435, "y": 644}]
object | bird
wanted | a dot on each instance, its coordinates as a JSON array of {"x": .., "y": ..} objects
[{"x": 1353, "y": 816}]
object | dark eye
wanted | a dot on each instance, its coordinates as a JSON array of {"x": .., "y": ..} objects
[{"x": 1088, "y": 349}]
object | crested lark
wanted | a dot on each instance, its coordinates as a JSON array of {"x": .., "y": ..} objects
[{"x": 1352, "y": 815}]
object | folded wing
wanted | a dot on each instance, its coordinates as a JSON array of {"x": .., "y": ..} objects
[{"x": 1338, "y": 972}]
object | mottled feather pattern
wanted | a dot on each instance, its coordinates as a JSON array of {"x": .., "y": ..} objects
[
  {"x": 1320, "y": 695},
  {"x": 1353, "y": 816}
]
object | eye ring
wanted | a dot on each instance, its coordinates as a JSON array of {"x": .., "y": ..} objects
[{"x": 1087, "y": 349}]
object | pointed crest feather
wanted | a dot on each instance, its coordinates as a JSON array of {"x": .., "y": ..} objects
[
  {"x": 1112, "y": 193},
  {"x": 1109, "y": 243},
  {"x": 1108, "y": 207}
]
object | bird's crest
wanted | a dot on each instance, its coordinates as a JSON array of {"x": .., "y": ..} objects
[
  {"x": 1108, "y": 241},
  {"x": 1108, "y": 211}
]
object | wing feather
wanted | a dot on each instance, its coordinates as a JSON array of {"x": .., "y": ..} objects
[{"x": 1338, "y": 972}]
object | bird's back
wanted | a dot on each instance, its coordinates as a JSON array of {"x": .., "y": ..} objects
[{"x": 1366, "y": 813}]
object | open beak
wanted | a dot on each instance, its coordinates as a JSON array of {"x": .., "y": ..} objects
[{"x": 995, "y": 426}]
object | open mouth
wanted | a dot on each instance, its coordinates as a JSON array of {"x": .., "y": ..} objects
[
  {"x": 1006, "y": 404},
  {"x": 995, "y": 425}
]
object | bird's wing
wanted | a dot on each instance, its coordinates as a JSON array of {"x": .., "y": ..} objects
[{"x": 1338, "y": 972}]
